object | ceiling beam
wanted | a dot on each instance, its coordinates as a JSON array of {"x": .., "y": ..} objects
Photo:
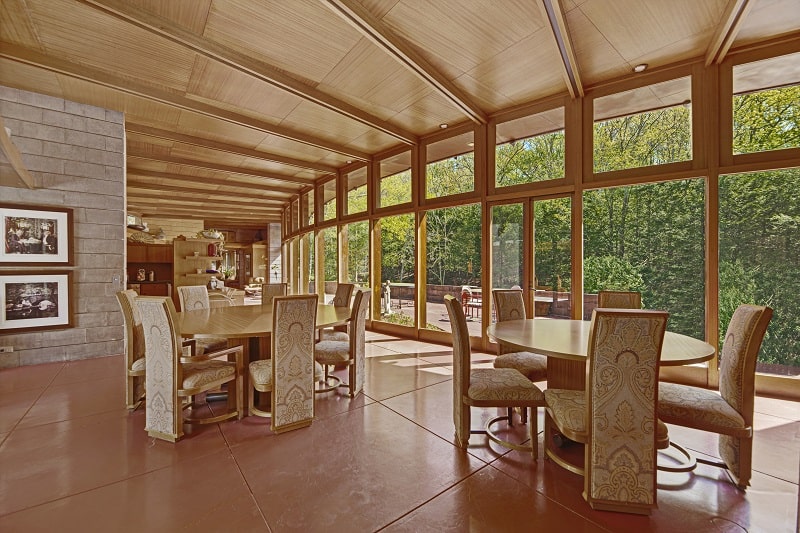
[
  {"x": 224, "y": 193},
  {"x": 167, "y": 135},
  {"x": 206, "y": 204},
  {"x": 202, "y": 211},
  {"x": 50, "y": 63},
  {"x": 245, "y": 64},
  {"x": 374, "y": 30},
  {"x": 727, "y": 29},
  {"x": 553, "y": 11},
  {"x": 136, "y": 154},
  {"x": 230, "y": 183},
  {"x": 205, "y": 195}
]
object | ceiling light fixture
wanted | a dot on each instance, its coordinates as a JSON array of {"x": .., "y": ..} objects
[
  {"x": 470, "y": 143},
  {"x": 443, "y": 126},
  {"x": 640, "y": 67}
]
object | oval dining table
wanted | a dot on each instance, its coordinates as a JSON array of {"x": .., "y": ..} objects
[
  {"x": 248, "y": 325},
  {"x": 565, "y": 343}
]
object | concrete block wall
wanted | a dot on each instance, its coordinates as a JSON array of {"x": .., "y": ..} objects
[{"x": 76, "y": 155}]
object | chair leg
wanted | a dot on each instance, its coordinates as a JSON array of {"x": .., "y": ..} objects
[{"x": 534, "y": 424}]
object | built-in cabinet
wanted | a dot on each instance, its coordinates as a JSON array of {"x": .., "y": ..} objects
[
  {"x": 192, "y": 261},
  {"x": 155, "y": 261}
]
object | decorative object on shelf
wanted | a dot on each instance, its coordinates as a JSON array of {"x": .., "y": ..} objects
[
  {"x": 212, "y": 249},
  {"x": 141, "y": 237},
  {"x": 210, "y": 234},
  {"x": 212, "y": 283},
  {"x": 141, "y": 275},
  {"x": 36, "y": 301},
  {"x": 151, "y": 276},
  {"x": 35, "y": 235}
]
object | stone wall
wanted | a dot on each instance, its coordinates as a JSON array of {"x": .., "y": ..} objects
[{"x": 76, "y": 155}]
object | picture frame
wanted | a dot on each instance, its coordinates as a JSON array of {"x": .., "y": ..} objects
[
  {"x": 36, "y": 235},
  {"x": 33, "y": 301}
]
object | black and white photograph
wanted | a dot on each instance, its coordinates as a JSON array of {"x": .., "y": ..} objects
[
  {"x": 35, "y": 235},
  {"x": 35, "y": 300}
]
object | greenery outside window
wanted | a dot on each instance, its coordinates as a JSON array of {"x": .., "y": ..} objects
[
  {"x": 356, "y": 186},
  {"x": 329, "y": 200},
  {"x": 451, "y": 166},
  {"x": 530, "y": 149},
  {"x": 395, "y": 180}
]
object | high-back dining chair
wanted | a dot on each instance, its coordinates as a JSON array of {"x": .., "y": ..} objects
[
  {"x": 192, "y": 298},
  {"x": 729, "y": 412},
  {"x": 619, "y": 299},
  {"x": 486, "y": 387},
  {"x": 170, "y": 383},
  {"x": 344, "y": 293},
  {"x": 269, "y": 291},
  {"x": 350, "y": 353},
  {"x": 134, "y": 348},
  {"x": 615, "y": 416},
  {"x": 289, "y": 375}
]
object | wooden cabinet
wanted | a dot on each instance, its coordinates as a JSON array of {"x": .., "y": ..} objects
[
  {"x": 156, "y": 258},
  {"x": 189, "y": 256}
]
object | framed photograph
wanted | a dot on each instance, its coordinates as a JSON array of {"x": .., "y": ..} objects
[
  {"x": 36, "y": 235},
  {"x": 35, "y": 300}
]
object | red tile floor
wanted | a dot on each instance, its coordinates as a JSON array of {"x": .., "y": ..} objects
[{"x": 72, "y": 458}]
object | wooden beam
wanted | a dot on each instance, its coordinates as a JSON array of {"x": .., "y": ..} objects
[
  {"x": 231, "y": 183},
  {"x": 727, "y": 29},
  {"x": 201, "y": 212},
  {"x": 553, "y": 10},
  {"x": 172, "y": 98},
  {"x": 216, "y": 167},
  {"x": 14, "y": 157},
  {"x": 204, "y": 203},
  {"x": 227, "y": 192},
  {"x": 374, "y": 30},
  {"x": 243, "y": 63},
  {"x": 167, "y": 135}
]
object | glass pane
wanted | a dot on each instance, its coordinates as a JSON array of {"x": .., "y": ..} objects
[
  {"x": 296, "y": 215},
  {"x": 643, "y": 127},
  {"x": 398, "y": 248},
  {"x": 759, "y": 235},
  {"x": 356, "y": 182},
  {"x": 530, "y": 149},
  {"x": 507, "y": 260},
  {"x": 552, "y": 244},
  {"x": 766, "y": 105},
  {"x": 395, "y": 183},
  {"x": 311, "y": 249},
  {"x": 308, "y": 204},
  {"x": 358, "y": 253},
  {"x": 331, "y": 261},
  {"x": 649, "y": 238},
  {"x": 451, "y": 167},
  {"x": 453, "y": 261},
  {"x": 329, "y": 200}
]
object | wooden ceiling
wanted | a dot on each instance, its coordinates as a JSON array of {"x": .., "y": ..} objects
[{"x": 234, "y": 106}]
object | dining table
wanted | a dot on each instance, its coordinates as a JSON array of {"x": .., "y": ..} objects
[
  {"x": 249, "y": 326},
  {"x": 566, "y": 342}
]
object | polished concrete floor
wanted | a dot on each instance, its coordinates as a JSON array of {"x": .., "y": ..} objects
[{"x": 73, "y": 459}]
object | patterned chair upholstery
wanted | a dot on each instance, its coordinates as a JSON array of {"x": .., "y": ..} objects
[
  {"x": 269, "y": 291},
  {"x": 616, "y": 415},
  {"x": 134, "y": 348},
  {"x": 509, "y": 305},
  {"x": 619, "y": 300},
  {"x": 486, "y": 387},
  {"x": 193, "y": 297},
  {"x": 350, "y": 353},
  {"x": 344, "y": 293},
  {"x": 291, "y": 372},
  {"x": 729, "y": 412},
  {"x": 170, "y": 383}
]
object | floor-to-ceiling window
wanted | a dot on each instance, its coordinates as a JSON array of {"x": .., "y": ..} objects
[{"x": 552, "y": 248}]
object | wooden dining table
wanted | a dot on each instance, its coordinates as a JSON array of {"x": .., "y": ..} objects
[
  {"x": 566, "y": 342},
  {"x": 248, "y": 325}
]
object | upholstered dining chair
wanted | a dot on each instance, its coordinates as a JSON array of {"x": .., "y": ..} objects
[
  {"x": 619, "y": 299},
  {"x": 615, "y": 416},
  {"x": 487, "y": 387},
  {"x": 170, "y": 383},
  {"x": 344, "y": 293},
  {"x": 133, "y": 347},
  {"x": 510, "y": 305},
  {"x": 269, "y": 291},
  {"x": 728, "y": 412},
  {"x": 290, "y": 374},
  {"x": 193, "y": 297},
  {"x": 350, "y": 353}
]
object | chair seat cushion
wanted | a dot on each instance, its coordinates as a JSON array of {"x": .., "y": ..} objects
[
  {"x": 503, "y": 384},
  {"x": 198, "y": 374},
  {"x": 261, "y": 373},
  {"x": 568, "y": 408},
  {"x": 332, "y": 352},
  {"x": 532, "y": 365},
  {"x": 698, "y": 408},
  {"x": 210, "y": 344},
  {"x": 138, "y": 365},
  {"x": 319, "y": 372},
  {"x": 331, "y": 335}
]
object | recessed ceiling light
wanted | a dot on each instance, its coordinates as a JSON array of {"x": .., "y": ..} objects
[
  {"x": 349, "y": 161},
  {"x": 470, "y": 143},
  {"x": 443, "y": 126},
  {"x": 640, "y": 68}
]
